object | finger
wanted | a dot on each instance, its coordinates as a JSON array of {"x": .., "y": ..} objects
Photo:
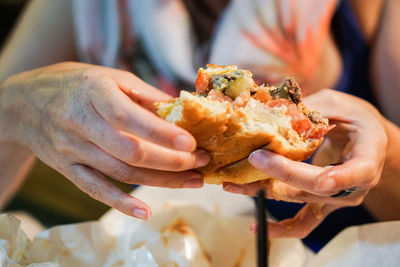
[
  {"x": 280, "y": 191},
  {"x": 294, "y": 173},
  {"x": 116, "y": 108},
  {"x": 274, "y": 189},
  {"x": 358, "y": 172},
  {"x": 142, "y": 93},
  {"x": 343, "y": 107},
  {"x": 330, "y": 104},
  {"x": 362, "y": 166},
  {"x": 306, "y": 220},
  {"x": 96, "y": 158},
  {"x": 365, "y": 152},
  {"x": 95, "y": 185},
  {"x": 138, "y": 152}
]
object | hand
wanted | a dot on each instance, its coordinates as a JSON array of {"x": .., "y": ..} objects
[
  {"x": 86, "y": 121},
  {"x": 358, "y": 143}
]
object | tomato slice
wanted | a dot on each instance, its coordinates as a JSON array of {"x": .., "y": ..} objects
[
  {"x": 262, "y": 96},
  {"x": 300, "y": 123},
  {"x": 202, "y": 82},
  {"x": 278, "y": 102},
  {"x": 320, "y": 130}
]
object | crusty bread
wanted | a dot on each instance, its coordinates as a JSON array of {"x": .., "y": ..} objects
[
  {"x": 230, "y": 135},
  {"x": 230, "y": 116}
]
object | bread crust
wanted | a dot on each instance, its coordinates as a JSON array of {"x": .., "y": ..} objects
[{"x": 229, "y": 147}]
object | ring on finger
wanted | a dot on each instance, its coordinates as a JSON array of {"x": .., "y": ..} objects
[{"x": 345, "y": 192}]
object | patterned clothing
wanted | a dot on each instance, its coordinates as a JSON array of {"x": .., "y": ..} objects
[
  {"x": 157, "y": 40},
  {"x": 165, "y": 41}
]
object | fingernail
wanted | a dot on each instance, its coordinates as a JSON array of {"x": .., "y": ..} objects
[
  {"x": 326, "y": 184},
  {"x": 140, "y": 213},
  {"x": 258, "y": 159},
  {"x": 183, "y": 142},
  {"x": 193, "y": 183},
  {"x": 232, "y": 188},
  {"x": 202, "y": 158}
]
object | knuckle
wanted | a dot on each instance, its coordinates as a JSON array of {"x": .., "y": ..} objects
[
  {"x": 367, "y": 166},
  {"x": 298, "y": 196},
  {"x": 62, "y": 144},
  {"x": 119, "y": 116},
  {"x": 357, "y": 201},
  {"x": 87, "y": 73},
  {"x": 373, "y": 182},
  {"x": 371, "y": 173},
  {"x": 123, "y": 174},
  {"x": 155, "y": 134},
  {"x": 75, "y": 114},
  {"x": 171, "y": 183},
  {"x": 179, "y": 164},
  {"x": 128, "y": 74},
  {"x": 134, "y": 151},
  {"x": 93, "y": 190},
  {"x": 298, "y": 231},
  {"x": 281, "y": 168},
  {"x": 293, "y": 194},
  {"x": 91, "y": 74},
  {"x": 120, "y": 205},
  {"x": 288, "y": 175},
  {"x": 75, "y": 119}
]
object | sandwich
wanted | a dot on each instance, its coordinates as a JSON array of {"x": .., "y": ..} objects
[{"x": 230, "y": 116}]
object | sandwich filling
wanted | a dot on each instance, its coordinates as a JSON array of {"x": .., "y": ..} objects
[
  {"x": 230, "y": 94},
  {"x": 237, "y": 87},
  {"x": 230, "y": 116}
]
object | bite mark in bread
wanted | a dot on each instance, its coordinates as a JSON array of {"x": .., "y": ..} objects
[{"x": 230, "y": 116}]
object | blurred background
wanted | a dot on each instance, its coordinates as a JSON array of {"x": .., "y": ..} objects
[
  {"x": 9, "y": 10},
  {"x": 46, "y": 194}
]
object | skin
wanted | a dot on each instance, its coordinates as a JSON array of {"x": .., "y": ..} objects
[
  {"x": 359, "y": 141},
  {"x": 30, "y": 36},
  {"x": 65, "y": 114},
  {"x": 86, "y": 121},
  {"x": 364, "y": 141}
]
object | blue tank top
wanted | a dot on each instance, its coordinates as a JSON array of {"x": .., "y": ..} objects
[
  {"x": 355, "y": 52},
  {"x": 354, "y": 80}
]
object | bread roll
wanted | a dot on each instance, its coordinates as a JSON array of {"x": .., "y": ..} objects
[{"x": 230, "y": 123}]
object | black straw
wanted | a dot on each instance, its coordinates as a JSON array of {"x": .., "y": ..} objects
[{"x": 262, "y": 233}]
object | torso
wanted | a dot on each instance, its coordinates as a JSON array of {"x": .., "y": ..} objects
[
  {"x": 228, "y": 32},
  {"x": 330, "y": 63}
]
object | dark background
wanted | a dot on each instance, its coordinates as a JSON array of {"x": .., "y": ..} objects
[{"x": 9, "y": 11}]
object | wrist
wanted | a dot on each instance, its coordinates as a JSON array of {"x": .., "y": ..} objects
[
  {"x": 383, "y": 201},
  {"x": 11, "y": 107},
  {"x": 392, "y": 161}
]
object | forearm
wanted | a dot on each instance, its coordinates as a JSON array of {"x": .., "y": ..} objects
[
  {"x": 15, "y": 162},
  {"x": 42, "y": 36},
  {"x": 15, "y": 157},
  {"x": 383, "y": 201},
  {"x": 385, "y": 62}
]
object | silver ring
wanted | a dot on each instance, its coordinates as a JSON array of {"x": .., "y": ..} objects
[{"x": 345, "y": 192}]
